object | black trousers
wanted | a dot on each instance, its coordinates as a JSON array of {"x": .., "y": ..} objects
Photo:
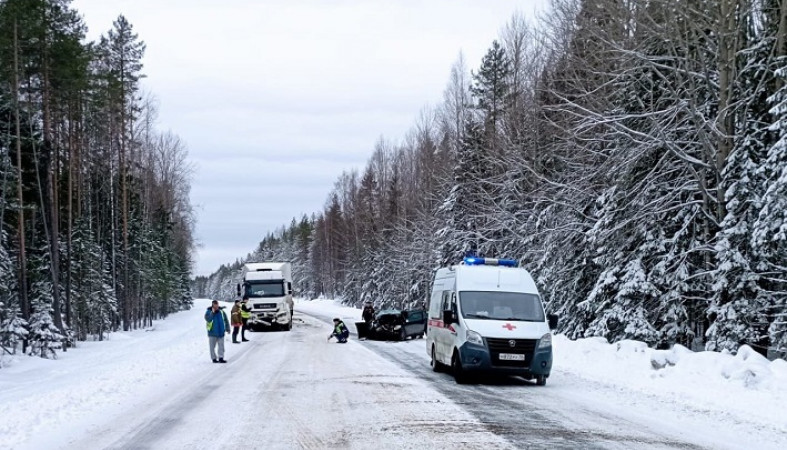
[
  {"x": 235, "y": 330},
  {"x": 243, "y": 329}
]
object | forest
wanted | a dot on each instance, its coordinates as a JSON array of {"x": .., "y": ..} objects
[
  {"x": 630, "y": 154},
  {"x": 96, "y": 228}
]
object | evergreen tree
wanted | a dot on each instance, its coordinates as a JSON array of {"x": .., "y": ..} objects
[
  {"x": 44, "y": 336},
  {"x": 491, "y": 90}
]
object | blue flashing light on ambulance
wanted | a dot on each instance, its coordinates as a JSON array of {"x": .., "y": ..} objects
[{"x": 486, "y": 316}]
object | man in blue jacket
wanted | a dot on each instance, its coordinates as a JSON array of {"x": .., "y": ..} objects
[{"x": 217, "y": 324}]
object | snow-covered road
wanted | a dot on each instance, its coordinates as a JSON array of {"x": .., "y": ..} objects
[
  {"x": 296, "y": 390},
  {"x": 159, "y": 390}
]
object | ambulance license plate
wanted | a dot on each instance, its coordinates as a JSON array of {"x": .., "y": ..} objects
[{"x": 511, "y": 357}]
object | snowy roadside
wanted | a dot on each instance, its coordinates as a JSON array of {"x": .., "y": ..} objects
[
  {"x": 745, "y": 388},
  {"x": 739, "y": 398},
  {"x": 97, "y": 380}
]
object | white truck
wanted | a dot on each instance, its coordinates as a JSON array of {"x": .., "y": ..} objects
[{"x": 268, "y": 285}]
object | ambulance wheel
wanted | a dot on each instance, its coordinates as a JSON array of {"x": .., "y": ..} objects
[
  {"x": 541, "y": 380},
  {"x": 437, "y": 366},
  {"x": 460, "y": 376}
]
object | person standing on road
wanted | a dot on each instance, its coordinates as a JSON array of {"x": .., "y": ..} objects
[
  {"x": 340, "y": 331},
  {"x": 245, "y": 315},
  {"x": 368, "y": 313},
  {"x": 217, "y": 324},
  {"x": 368, "y": 317},
  {"x": 236, "y": 321}
]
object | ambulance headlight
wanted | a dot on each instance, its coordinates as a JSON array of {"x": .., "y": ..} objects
[
  {"x": 545, "y": 342},
  {"x": 474, "y": 338}
]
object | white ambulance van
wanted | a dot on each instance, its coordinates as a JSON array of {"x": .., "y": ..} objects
[{"x": 486, "y": 316}]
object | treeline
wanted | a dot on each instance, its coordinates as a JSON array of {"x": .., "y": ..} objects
[
  {"x": 95, "y": 222},
  {"x": 631, "y": 154}
]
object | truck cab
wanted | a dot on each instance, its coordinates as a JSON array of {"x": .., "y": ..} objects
[
  {"x": 268, "y": 285},
  {"x": 486, "y": 316}
]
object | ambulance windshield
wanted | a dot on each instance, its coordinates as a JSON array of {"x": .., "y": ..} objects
[{"x": 501, "y": 306}]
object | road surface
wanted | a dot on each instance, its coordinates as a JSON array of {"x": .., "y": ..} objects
[{"x": 295, "y": 390}]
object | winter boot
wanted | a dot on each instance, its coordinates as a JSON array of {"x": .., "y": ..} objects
[{"x": 221, "y": 360}]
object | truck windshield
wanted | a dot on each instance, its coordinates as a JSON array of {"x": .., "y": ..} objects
[
  {"x": 264, "y": 289},
  {"x": 501, "y": 306}
]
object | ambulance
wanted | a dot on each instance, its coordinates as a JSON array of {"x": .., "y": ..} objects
[{"x": 486, "y": 317}]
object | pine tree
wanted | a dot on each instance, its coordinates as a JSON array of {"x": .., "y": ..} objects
[
  {"x": 44, "y": 336},
  {"x": 124, "y": 52},
  {"x": 491, "y": 91},
  {"x": 770, "y": 228},
  {"x": 13, "y": 328}
]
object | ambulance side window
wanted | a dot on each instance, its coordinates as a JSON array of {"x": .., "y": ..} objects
[
  {"x": 453, "y": 304},
  {"x": 446, "y": 304},
  {"x": 435, "y": 303}
]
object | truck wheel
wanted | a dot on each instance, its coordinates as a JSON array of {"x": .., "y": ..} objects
[
  {"x": 460, "y": 376},
  {"x": 436, "y": 365},
  {"x": 402, "y": 334},
  {"x": 541, "y": 380}
]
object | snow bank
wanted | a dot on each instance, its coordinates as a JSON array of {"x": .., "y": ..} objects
[
  {"x": 329, "y": 308},
  {"x": 41, "y": 397},
  {"x": 745, "y": 384}
]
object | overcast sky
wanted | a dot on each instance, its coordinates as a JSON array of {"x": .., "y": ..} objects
[{"x": 275, "y": 99}]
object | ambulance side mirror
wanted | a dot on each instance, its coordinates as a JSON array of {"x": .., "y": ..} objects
[
  {"x": 448, "y": 316},
  {"x": 552, "y": 318},
  {"x": 237, "y": 286}
]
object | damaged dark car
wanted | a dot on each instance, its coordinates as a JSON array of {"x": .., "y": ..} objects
[{"x": 394, "y": 324}]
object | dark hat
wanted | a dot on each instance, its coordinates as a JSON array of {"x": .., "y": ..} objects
[{"x": 337, "y": 319}]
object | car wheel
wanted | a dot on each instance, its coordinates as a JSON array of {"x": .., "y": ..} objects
[
  {"x": 541, "y": 380},
  {"x": 436, "y": 365},
  {"x": 460, "y": 376}
]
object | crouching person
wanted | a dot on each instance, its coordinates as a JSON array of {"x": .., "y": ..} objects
[
  {"x": 217, "y": 324},
  {"x": 340, "y": 331}
]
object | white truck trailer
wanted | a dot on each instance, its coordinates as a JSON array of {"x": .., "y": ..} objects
[{"x": 268, "y": 285}]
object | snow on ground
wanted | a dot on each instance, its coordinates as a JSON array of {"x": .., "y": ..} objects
[
  {"x": 745, "y": 388},
  {"x": 145, "y": 388},
  {"x": 38, "y": 397},
  {"x": 281, "y": 390}
]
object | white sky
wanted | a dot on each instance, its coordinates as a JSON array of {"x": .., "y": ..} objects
[{"x": 276, "y": 98}]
